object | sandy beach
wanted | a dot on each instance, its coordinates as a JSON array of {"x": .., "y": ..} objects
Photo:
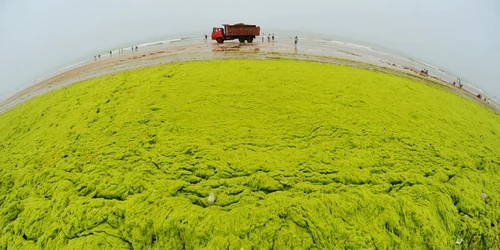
[{"x": 180, "y": 50}]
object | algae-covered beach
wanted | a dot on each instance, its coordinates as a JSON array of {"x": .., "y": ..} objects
[{"x": 297, "y": 154}]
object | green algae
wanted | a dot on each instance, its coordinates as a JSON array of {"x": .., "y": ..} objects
[{"x": 299, "y": 154}]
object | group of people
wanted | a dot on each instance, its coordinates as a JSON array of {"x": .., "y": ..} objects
[
  {"x": 487, "y": 100},
  {"x": 270, "y": 38},
  {"x": 480, "y": 96},
  {"x": 120, "y": 52},
  {"x": 460, "y": 85}
]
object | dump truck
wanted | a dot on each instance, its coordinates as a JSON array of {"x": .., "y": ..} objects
[{"x": 242, "y": 32}]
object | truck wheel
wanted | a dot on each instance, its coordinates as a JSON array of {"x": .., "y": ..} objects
[
  {"x": 220, "y": 40},
  {"x": 242, "y": 40},
  {"x": 250, "y": 40}
]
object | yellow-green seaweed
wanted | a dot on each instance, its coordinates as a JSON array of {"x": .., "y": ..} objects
[{"x": 300, "y": 155}]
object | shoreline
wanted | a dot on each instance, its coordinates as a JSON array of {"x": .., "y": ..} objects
[{"x": 180, "y": 50}]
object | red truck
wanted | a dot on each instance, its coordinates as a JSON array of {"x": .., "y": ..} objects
[{"x": 240, "y": 31}]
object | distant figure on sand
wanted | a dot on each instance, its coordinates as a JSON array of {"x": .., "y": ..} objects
[
  {"x": 206, "y": 37},
  {"x": 273, "y": 37},
  {"x": 136, "y": 48},
  {"x": 95, "y": 58},
  {"x": 132, "y": 48},
  {"x": 269, "y": 38},
  {"x": 263, "y": 37},
  {"x": 110, "y": 53},
  {"x": 296, "y": 40},
  {"x": 99, "y": 56}
]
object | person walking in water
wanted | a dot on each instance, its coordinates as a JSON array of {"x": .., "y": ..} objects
[
  {"x": 273, "y": 38},
  {"x": 296, "y": 40}
]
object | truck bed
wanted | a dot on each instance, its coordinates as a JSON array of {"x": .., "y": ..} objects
[{"x": 241, "y": 30}]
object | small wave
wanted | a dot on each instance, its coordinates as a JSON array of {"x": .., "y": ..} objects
[
  {"x": 426, "y": 64},
  {"x": 58, "y": 71},
  {"x": 360, "y": 46},
  {"x": 174, "y": 40},
  {"x": 320, "y": 41},
  {"x": 337, "y": 42},
  {"x": 150, "y": 44},
  {"x": 73, "y": 65}
]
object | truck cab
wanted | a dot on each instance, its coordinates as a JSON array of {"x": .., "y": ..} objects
[{"x": 218, "y": 34}]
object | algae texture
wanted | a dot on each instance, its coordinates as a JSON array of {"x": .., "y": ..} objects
[{"x": 298, "y": 155}]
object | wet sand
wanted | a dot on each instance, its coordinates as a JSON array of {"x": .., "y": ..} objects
[{"x": 196, "y": 49}]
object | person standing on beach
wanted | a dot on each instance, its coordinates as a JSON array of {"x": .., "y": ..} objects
[
  {"x": 110, "y": 53},
  {"x": 136, "y": 48},
  {"x": 273, "y": 38},
  {"x": 296, "y": 40},
  {"x": 263, "y": 37},
  {"x": 132, "y": 48},
  {"x": 269, "y": 38},
  {"x": 95, "y": 58},
  {"x": 99, "y": 56}
]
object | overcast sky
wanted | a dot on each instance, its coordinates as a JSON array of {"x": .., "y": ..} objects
[{"x": 37, "y": 37}]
